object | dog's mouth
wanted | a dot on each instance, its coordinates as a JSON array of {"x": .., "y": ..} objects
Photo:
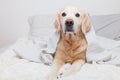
[{"x": 69, "y": 30}]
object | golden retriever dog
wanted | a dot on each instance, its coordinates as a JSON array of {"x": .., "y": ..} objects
[{"x": 72, "y": 23}]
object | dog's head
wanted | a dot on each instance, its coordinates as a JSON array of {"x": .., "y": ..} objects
[{"x": 72, "y": 20}]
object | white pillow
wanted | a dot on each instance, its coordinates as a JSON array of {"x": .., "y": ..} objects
[
  {"x": 40, "y": 25},
  {"x": 107, "y": 25}
]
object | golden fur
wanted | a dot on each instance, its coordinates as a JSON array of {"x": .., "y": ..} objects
[{"x": 71, "y": 48}]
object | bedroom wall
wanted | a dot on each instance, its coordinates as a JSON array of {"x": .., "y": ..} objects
[{"x": 14, "y": 13}]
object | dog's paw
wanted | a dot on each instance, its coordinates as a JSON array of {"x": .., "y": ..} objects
[
  {"x": 63, "y": 70},
  {"x": 59, "y": 76}
]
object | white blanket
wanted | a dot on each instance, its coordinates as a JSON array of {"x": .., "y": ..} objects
[
  {"x": 100, "y": 50},
  {"x": 39, "y": 50},
  {"x": 13, "y": 68}
]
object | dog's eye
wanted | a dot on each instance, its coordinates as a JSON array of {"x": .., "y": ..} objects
[
  {"x": 77, "y": 14},
  {"x": 63, "y": 14}
]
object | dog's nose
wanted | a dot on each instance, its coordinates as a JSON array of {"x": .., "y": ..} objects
[{"x": 69, "y": 22}]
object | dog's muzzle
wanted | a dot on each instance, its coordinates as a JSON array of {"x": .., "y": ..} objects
[{"x": 69, "y": 25}]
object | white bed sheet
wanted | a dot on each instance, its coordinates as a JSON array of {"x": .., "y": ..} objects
[{"x": 14, "y": 68}]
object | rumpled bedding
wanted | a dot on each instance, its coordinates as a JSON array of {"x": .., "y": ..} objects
[
  {"x": 22, "y": 61},
  {"x": 14, "y": 68},
  {"x": 100, "y": 49},
  {"x": 104, "y": 55}
]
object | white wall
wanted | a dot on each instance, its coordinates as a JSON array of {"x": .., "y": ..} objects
[{"x": 14, "y": 13}]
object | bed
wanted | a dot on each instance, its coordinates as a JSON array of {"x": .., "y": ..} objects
[{"x": 107, "y": 28}]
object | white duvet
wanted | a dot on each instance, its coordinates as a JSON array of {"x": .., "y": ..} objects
[{"x": 14, "y": 68}]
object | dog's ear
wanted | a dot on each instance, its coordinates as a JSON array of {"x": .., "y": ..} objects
[
  {"x": 57, "y": 22},
  {"x": 86, "y": 23}
]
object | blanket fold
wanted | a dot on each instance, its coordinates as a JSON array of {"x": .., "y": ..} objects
[{"x": 100, "y": 50}]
